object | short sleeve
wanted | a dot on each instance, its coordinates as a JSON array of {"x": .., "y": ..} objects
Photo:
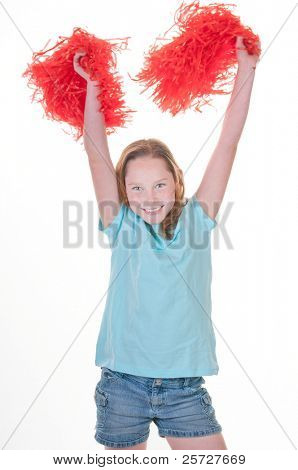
[
  {"x": 200, "y": 216},
  {"x": 113, "y": 229}
]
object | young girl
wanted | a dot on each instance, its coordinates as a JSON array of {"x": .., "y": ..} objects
[{"x": 156, "y": 340}]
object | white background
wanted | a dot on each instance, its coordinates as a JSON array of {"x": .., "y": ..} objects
[{"x": 52, "y": 297}]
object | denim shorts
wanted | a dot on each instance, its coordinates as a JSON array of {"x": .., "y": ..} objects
[{"x": 127, "y": 404}]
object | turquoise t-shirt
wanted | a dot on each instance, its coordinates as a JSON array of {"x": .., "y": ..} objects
[{"x": 157, "y": 316}]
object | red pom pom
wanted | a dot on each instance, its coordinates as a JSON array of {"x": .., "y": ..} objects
[
  {"x": 196, "y": 63},
  {"x": 62, "y": 90}
]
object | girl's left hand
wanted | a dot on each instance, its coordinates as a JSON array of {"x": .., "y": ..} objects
[{"x": 243, "y": 57}]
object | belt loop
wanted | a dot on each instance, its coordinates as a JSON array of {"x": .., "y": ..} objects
[{"x": 186, "y": 381}]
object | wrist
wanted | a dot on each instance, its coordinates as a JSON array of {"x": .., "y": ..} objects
[
  {"x": 246, "y": 67},
  {"x": 92, "y": 83}
]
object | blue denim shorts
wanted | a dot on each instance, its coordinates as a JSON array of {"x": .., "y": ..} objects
[{"x": 127, "y": 404}]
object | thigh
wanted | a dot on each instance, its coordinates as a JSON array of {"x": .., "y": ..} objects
[
  {"x": 122, "y": 416},
  {"x": 215, "y": 442}
]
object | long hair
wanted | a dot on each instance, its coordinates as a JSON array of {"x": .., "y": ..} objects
[{"x": 156, "y": 149}]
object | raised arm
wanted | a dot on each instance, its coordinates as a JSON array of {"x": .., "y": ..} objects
[
  {"x": 214, "y": 182},
  {"x": 96, "y": 145}
]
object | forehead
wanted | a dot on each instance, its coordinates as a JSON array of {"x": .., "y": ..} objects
[{"x": 154, "y": 168}]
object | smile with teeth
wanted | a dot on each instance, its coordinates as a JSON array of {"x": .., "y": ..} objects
[{"x": 155, "y": 209}]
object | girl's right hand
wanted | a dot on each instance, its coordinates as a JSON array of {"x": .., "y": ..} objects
[{"x": 78, "y": 68}]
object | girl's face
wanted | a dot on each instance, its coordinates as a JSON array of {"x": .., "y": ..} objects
[{"x": 150, "y": 185}]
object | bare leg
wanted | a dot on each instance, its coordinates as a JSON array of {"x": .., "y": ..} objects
[
  {"x": 214, "y": 441},
  {"x": 141, "y": 446}
]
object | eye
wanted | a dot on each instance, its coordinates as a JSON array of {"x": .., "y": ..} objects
[
  {"x": 161, "y": 184},
  {"x": 136, "y": 187}
]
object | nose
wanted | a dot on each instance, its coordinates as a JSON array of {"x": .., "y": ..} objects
[{"x": 150, "y": 198}]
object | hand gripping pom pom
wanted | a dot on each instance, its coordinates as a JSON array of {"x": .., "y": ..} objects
[
  {"x": 62, "y": 91},
  {"x": 197, "y": 62}
]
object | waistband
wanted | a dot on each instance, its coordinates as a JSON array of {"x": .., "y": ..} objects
[{"x": 174, "y": 382}]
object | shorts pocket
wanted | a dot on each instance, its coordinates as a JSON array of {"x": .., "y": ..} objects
[
  {"x": 108, "y": 375},
  {"x": 101, "y": 401},
  {"x": 195, "y": 383},
  {"x": 206, "y": 402}
]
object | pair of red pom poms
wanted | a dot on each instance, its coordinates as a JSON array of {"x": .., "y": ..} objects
[{"x": 184, "y": 72}]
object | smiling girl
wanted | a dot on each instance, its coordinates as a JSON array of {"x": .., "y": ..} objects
[{"x": 156, "y": 340}]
